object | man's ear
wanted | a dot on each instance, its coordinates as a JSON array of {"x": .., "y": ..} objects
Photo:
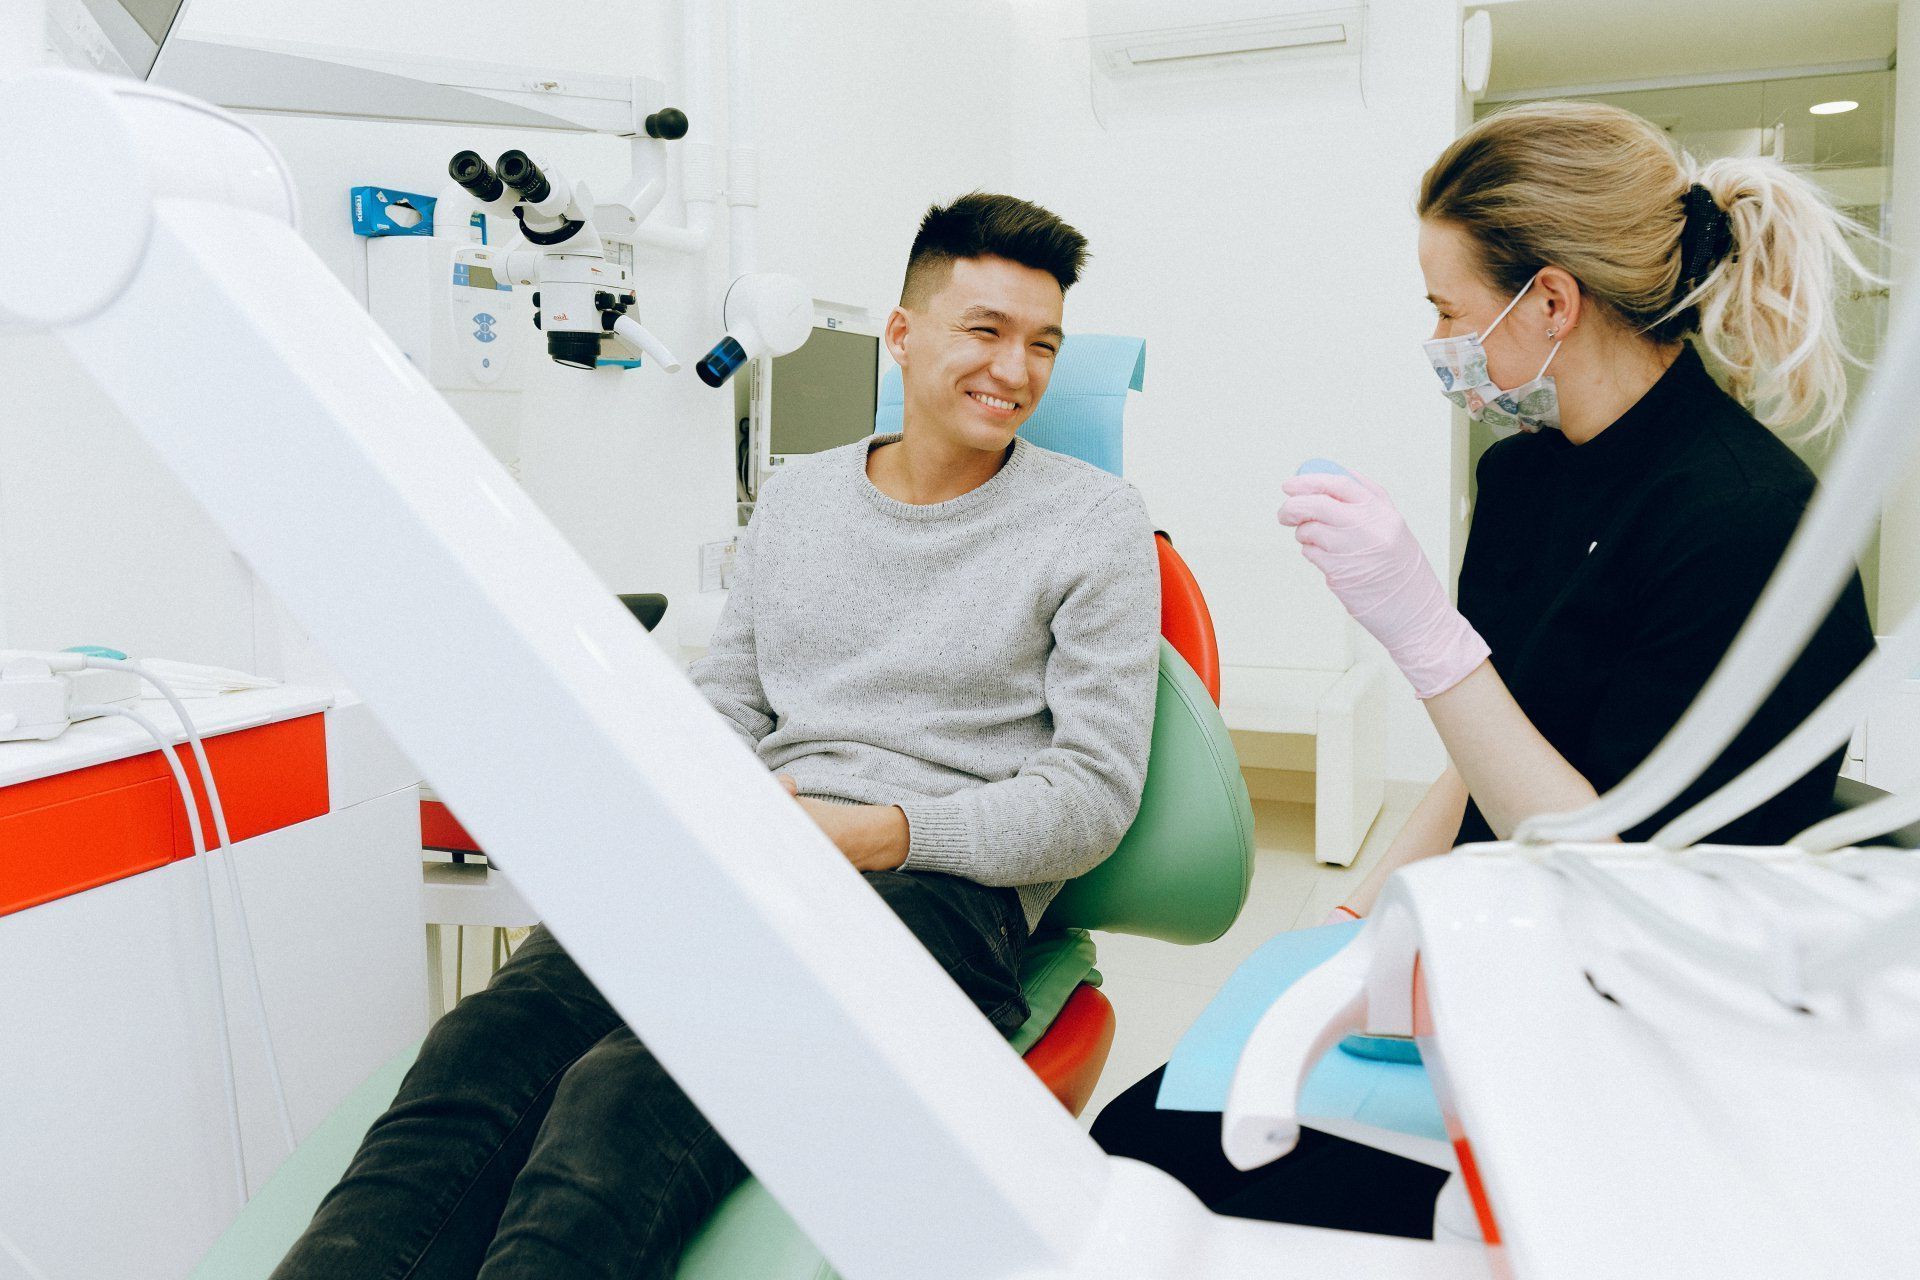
[{"x": 895, "y": 334}]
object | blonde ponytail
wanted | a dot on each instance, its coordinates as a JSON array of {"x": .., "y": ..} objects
[
  {"x": 1768, "y": 313},
  {"x": 1603, "y": 194}
]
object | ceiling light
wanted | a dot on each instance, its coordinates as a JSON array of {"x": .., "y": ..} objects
[{"x": 1834, "y": 108}]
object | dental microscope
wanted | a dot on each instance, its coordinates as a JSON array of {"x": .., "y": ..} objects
[{"x": 582, "y": 296}]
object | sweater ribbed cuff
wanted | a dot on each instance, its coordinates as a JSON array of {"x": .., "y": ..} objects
[{"x": 939, "y": 837}]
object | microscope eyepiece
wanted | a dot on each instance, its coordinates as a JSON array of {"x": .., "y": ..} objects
[
  {"x": 471, "y": 172},
  {"x": 519, "y": 171}
]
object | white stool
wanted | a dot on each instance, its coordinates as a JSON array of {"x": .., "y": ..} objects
[{"x": 461, "y": 894}]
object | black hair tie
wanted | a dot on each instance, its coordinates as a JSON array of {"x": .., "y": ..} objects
[{"x": 1705, "y": 240}]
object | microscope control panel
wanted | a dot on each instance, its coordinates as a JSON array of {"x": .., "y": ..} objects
[
  {"x": 480, "y": 307},
  {"x": 450, "y": 307}
]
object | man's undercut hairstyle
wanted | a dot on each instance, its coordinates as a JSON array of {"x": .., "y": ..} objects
[{"x": 983, "y": 225}]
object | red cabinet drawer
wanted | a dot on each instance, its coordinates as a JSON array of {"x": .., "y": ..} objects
[{"x": 78, "y": 830}]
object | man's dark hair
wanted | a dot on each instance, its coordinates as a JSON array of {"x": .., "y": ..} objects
[{"x": 982, "y": 225}]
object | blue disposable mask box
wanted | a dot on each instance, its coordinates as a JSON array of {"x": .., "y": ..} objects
[{"x": 378, "y": 211}]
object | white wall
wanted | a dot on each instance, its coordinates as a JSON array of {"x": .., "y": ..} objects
[
  {"x": 1265, "y": 248},
  {"x": 98, "y": 543},
  {"x": 869, "y": 111}
]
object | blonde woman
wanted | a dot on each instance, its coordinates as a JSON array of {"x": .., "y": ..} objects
[{"x": 1624, "y": 527}]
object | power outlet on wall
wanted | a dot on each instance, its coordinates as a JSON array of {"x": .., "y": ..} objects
[{"x": 716, "y": 565}]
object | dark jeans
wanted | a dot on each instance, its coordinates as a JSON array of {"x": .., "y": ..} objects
[
  {"x": 1324, "y": 1182},
  {"x": 537, "y": 1137}
]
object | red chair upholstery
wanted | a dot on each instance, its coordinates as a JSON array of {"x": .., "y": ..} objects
[
  {"x": 440, "y": 830},
  {"x": 1069, "y": 1057},
  {"x": 1184, "y": 618}
]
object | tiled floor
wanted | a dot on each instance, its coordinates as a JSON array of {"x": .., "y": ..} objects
[{"x": 1158, "y": 988}]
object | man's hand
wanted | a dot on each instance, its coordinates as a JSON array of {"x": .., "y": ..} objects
[{"x": 874, "y": 837}]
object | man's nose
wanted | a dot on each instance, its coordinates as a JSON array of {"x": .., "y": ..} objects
[{"x": 1010, "y": 366}]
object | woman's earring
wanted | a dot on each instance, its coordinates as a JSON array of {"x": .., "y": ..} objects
[{"x": 1553, "y": 333}]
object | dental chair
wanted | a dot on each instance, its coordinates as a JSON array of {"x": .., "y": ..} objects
[{"x": 1181, "y": 874}]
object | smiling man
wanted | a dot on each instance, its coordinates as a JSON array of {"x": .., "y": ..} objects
[
  {"x": 945, "y": 642},
  {"x": 946, "y": 638}
]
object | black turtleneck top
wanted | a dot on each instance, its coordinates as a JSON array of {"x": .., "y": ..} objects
[{"x": 1609, "y": 579}]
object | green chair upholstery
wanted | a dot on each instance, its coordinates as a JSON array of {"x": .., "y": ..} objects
[
  {"x": 1181, "y": 874},
  {"x": 750, "y": 1237},
  {"x": 253, "y": 1246},
  {"x": 1054, "y": 966}
]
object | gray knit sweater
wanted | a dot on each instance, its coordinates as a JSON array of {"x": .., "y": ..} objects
[{"x": 987, "y": 663}]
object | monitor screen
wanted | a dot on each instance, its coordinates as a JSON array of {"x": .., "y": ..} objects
[{"x": 825, "y": 394}]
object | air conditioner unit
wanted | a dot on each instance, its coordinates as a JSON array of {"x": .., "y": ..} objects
[{"x": 1247, "y": 45}]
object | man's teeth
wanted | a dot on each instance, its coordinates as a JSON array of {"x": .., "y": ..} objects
[{"x": 994, "y": 402}]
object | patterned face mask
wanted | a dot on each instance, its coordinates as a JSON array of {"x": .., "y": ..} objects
[{"x": 1461, "y": 363}]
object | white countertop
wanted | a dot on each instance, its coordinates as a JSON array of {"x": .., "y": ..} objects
[{"x": 109, "y": 738}]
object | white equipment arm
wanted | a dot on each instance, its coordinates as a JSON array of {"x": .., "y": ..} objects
[
  {"x": 1817, "y": 737},
  {"x": 1261, "y": 1122},
  {"x": 1856, "y": 826},
  {"x": 799, "y": 1014}
]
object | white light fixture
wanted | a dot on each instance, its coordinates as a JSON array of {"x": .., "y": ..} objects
[
  {"x": 1476, "y": 52},
  {"x": 1837, "y": 107}
]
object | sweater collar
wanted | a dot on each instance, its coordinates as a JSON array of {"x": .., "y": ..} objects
[{"x": 973, "y": 499}]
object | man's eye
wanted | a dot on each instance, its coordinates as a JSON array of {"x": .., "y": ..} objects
[
  {"x": 980, "y": 328},
  {"x": 1047, "y": 348}
]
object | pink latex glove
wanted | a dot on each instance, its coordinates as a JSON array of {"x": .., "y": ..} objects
[{"x": 1348, "y": 529}]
